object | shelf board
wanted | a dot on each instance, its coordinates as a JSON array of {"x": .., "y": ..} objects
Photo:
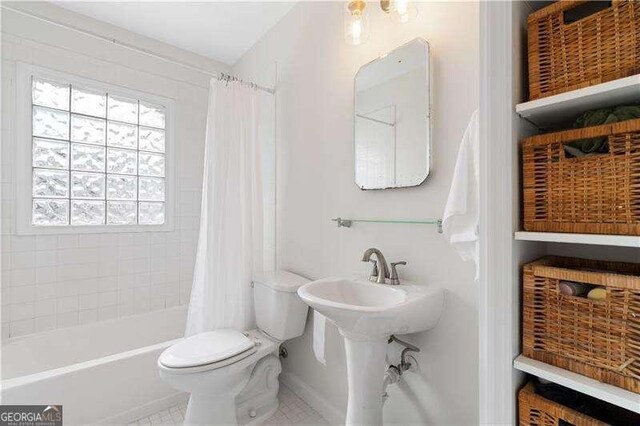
[
  {"x": 594, "y": 239},
  {"x": 614, "y": 395},
  {"x": 555, "y": 109}
]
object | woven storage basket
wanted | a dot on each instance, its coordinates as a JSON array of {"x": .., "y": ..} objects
[
  {"x": 595, "y": 194},
  {"x": 535, "y": 410},
  {"x": 598, "y": 48},
  {"x": 598, "y": 339}
]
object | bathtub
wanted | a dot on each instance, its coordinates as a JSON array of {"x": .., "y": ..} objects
[{"x": 101, "y": 373}]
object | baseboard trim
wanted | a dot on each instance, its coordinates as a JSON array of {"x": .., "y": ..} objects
[
  {"x": 146, "y": 409},
  {"x": 327, "y": 410}
]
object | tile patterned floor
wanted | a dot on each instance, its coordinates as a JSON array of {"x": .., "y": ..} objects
[
  {"x": 170, "y": 416},
  {"x": 291, "y": 411},
  {"x": 294, "y": 411}
]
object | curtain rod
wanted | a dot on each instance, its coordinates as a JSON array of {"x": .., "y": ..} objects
[
  {"x": 229, "y": 77},
  {"x": 130, "y": 46}
]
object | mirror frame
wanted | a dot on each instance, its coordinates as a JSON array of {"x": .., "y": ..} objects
[{"x": 429, "y": 116}]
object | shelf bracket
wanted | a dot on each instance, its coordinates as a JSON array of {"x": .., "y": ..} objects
[
  {"x": 540, "y": 129},
  {"x": 343, "y": 223}
]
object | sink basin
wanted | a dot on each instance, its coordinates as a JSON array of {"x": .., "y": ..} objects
[
  {"x": 342, "y": 293},
  {"x": 365, "y": 310},
  {"x": 366, "y": 314}
]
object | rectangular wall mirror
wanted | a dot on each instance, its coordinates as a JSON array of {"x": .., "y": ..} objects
[{"x": 392, "y": 119}]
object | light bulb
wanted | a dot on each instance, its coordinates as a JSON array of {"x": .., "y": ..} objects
[
  {"x": 401, "y": 7},
  {"x": 356, "y": 24},
  {"x": 356, "y": 30},
  {"x": 402, "y": 11}
]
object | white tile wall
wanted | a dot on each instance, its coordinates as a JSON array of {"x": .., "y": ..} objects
[{"x": 55, "y": 281}]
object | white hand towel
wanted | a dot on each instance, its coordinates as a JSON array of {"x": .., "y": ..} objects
[
  {"x": 460, "y": 219},
  {"x": 319, "y": 322}
]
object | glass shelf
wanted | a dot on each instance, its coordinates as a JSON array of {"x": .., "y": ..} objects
[{"x": 346, "y": 223}]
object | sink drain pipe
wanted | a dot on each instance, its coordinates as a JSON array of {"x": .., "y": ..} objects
[
  {"x": 394, "y": 372},
  {"x": 391, "y": 376}
]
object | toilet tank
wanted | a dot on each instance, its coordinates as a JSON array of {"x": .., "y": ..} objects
[{"x": 279, "y": 311}]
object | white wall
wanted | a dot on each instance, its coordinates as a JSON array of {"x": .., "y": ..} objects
[
  {"x": 316, "y": 183},
  {"x": 59, "y": 281}
]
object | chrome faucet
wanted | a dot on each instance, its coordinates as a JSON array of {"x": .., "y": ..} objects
[{"x": 380, "y": 265}]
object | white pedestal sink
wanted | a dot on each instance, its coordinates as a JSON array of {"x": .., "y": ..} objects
[{"x": 367, "y": 314}]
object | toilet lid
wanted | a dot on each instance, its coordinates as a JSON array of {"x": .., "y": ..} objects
[{"x": 206, "y": 348}]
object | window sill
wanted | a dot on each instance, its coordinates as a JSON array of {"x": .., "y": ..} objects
[{"x": 96, "y": 229}]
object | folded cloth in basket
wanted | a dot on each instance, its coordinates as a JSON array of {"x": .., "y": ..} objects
[{"x": 598, "y": 117}]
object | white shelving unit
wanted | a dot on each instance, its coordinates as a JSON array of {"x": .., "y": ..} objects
[
  {"x": 546, "y": 113},
  {"x": 608, "y": 393},
  {"x": 552, "y": 110},
  {"x": 503, "y": 252},
  {"x": 591, "y": 239}
]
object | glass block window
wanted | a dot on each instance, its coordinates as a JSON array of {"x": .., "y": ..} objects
[{"x": 98, "y": 158}]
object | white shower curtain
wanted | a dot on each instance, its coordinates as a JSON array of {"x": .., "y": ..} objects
[{"x": 236, "y": 223}]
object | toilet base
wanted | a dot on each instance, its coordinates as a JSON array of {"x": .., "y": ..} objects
[
  {"x": 203, "y": 408},
  {"x": 259, "y": 398},
  {"x": 255, "y": 403},
  {"x": 262, "y": 414}
]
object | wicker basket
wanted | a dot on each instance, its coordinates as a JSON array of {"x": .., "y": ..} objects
[
  {"x": 595, "y": 194},
  {"x": 536, "y": 410},
  {"x": 598, "y": 48},
  {"x": 598, "y": 339}
]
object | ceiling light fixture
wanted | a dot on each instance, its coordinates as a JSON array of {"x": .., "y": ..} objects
[
  {"x": 356, "y": 29},
  {"x": 356, "y": 23}
]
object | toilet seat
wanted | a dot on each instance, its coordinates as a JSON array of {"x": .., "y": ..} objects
[{"x": 208, "y": 351}]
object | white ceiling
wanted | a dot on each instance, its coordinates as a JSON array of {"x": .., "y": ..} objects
[{"x": 223, "y": 31}]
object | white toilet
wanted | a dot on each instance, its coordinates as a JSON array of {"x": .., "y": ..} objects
[{"x": 233, "y": 376}]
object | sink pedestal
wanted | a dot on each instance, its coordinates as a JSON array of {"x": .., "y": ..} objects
[{"x": 365, "y": 375}]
